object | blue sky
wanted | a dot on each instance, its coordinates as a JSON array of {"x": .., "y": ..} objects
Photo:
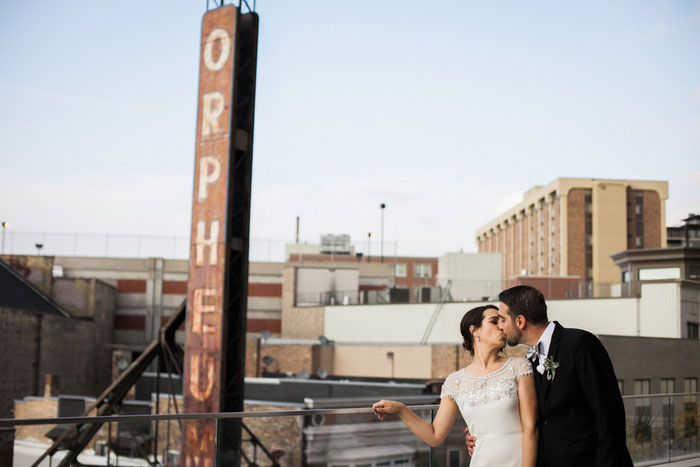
[{"x": 444, "y": 111}]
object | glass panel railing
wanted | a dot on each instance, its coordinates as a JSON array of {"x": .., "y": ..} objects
[{"x": 660, "y": 429}]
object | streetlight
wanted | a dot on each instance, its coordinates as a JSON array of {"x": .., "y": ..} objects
[
  {"x": 381, "y": 245},
  {"x": 5, "y": 225},
  {"x": 369, "y": 238}
]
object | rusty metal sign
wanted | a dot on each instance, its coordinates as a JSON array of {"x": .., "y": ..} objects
[{"x": 209, "y": 246}]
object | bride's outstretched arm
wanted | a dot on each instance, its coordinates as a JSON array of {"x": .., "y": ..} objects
[
  {"x": 527, "y": 400},
  {"x": 433, "y": 434}
]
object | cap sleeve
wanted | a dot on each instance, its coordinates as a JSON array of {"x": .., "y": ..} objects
[
  {"x": 449, "y": 387},
  {"x": 523, "y": 367}
]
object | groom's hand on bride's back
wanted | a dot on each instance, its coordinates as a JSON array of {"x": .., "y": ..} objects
[{"x": 470, "y": 441}]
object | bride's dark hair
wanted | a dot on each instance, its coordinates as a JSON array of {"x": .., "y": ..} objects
[{"x": 473, "y": 317}]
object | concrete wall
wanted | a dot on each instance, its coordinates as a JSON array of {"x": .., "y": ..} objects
[
  {"x": 391, "y": 361},
  {"x": 609, "y": 228},
  {"x": 659, "y": 310},
  {"x": 473, "y": 275},
  {"x": 655, "y": 314},
  {"x": 313, "y": 284}
]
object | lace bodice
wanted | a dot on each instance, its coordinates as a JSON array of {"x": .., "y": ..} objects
[
  {"x": 472, "y": 391},
  {"x": 489, "y": 406}
]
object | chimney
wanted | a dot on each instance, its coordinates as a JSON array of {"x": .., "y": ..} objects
[{"x": 50, "y": 386}]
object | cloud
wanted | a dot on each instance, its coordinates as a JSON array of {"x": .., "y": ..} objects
[{"x": 508, "y": 201}]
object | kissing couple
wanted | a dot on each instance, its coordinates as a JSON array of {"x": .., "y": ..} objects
[{"x": 560, "y": 406}]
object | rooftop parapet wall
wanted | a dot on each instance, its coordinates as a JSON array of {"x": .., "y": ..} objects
[{"x": 654, "y": 314}]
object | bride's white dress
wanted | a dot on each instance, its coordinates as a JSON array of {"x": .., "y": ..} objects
[{"x": 489, "y": 405}]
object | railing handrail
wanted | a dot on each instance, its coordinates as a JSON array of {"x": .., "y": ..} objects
[{"x": 11, "y": 422}]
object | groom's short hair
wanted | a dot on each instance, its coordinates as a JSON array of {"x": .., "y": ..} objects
[{"x": 527, "y": 301}]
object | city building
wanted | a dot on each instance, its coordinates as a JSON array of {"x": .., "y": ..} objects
[
  {"x": 686, "y": 235},
  {"x": 571, "y": 226},
  {"x": 415, "y": 276},
  {"x": 59, "y": 330},
  {"x": 149, "y": 290},
  {"x": 676, "y": 268}
]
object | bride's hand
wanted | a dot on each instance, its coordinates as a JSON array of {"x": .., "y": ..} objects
[{"x": 384, "y": 407}]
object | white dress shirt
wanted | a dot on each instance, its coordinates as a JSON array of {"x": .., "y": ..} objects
[{"x": 542, "y": 345}]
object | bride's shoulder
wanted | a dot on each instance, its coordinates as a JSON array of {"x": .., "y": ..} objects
[
  {"x": 517, "y": 361},
  {"x": 454, "y": 375}
]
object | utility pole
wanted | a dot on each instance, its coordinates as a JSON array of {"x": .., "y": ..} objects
[{"x": 381, "y": 245}]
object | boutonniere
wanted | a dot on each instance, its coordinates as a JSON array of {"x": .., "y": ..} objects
[{"x": 550, "y": 366}]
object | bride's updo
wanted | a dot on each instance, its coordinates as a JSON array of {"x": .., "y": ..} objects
[{"x": 473, "y": 317}]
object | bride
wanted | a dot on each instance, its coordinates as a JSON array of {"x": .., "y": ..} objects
[{"x": 495, "y": 394}]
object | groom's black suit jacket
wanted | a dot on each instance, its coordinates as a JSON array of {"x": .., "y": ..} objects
[{"x": 582, "y": 418}]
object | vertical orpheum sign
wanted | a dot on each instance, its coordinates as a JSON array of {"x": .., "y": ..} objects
[{"x": 207, "y": 287}]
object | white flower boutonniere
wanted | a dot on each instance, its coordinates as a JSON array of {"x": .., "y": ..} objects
[{"x": 550, "y": 366}]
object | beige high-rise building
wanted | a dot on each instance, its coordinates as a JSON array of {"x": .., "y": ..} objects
[{"x": 571, "y": 226}]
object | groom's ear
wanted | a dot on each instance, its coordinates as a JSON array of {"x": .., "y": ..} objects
[{"x": 520, "y": 322}]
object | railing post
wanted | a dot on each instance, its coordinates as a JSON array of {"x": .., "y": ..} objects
[
  {"x": 669, "y": 418},
  {"x": 432, "y": 418}
]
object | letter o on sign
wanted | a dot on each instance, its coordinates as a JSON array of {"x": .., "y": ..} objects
[{"x": 221, "y": 35}]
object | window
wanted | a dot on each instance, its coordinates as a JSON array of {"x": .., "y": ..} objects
[
  {"x": 690, "y": 385},
  {"x": 655, "y": 274},
  {"x": 400, "y": 270},
  {"x": 422, "y": 270},
  {"x": 668, "y": 385},
  {"x": 641, "y": 387},
  {"x": 694, "y": 273},
  {"x": 455, "y": 458},
  {"x": 692, "y": 330},
  {"x": 626, "y": 276}
]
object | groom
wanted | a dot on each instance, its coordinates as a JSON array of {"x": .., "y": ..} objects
[{"x": 581, "y": 415}]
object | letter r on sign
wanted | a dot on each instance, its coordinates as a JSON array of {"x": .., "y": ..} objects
[{"x": 212, "y": 108}]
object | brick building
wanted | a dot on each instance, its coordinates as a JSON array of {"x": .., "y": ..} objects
[
  {"x": 149, "y": 290},
  {"x": 571, "y": 226},
  {"x": 62, "y": 329}
]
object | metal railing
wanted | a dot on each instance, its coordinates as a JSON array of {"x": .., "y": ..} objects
[
  {"x": 16, "y": 242},
  {"x": 661, "y": 428}
]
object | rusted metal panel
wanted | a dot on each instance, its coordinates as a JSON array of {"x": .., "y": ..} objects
[{"x": 209, "y": 246}]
